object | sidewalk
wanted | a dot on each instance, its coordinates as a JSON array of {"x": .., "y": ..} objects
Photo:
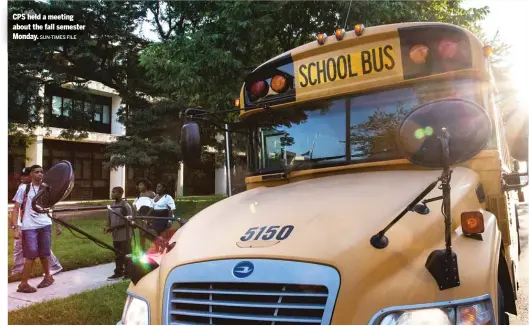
[{"x": 66, "y": 283}]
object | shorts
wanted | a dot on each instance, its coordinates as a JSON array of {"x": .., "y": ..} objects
[
  {"x": 36, "y": 243},
  {"x": 160, "y": 225}
]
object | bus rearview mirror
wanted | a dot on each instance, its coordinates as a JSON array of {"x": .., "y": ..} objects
[{"x": 190, "y": 142}]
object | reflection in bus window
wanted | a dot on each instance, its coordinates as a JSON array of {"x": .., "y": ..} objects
[
  {"x": 320, "y": 134},
  {"x": 317, "y": 131}
]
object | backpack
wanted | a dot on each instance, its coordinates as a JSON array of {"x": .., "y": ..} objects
[{"x": 23, "y": 207}]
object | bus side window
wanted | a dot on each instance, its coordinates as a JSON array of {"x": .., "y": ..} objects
[
  {"x": 499, "y": 129},
  {"x": 488, "y": 99}
]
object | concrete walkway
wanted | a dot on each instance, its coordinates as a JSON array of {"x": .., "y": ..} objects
[{"x": 66, "y": 283}]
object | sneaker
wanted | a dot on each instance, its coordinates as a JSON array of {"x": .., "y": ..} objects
[
  {"x": 114, "y": 277},
  {"x": 54, "y": 271},
  {"x": 13, "y": 273}
]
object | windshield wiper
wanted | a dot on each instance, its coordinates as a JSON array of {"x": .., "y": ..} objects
[{"x": 310, "y": 160}]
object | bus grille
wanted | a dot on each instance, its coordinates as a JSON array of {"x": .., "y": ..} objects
[{"x": 246, "y": 303}]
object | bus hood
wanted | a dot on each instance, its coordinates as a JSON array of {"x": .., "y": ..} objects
[
  {"x": 333, "y": 219},
  {"x": 330, "y": 216}
]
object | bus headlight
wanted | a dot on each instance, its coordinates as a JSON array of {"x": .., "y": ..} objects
[
  {"x": 469, "y": 313},
  {"x": 136, "y": 312}
]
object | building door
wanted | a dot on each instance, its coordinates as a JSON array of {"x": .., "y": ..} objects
[{"x": 92, "y": 179}]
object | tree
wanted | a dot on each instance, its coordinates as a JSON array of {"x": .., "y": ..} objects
[
  {"x": 207, "y": 48},
  {"x": 378, "y": 134},
  {"x": 107, "y": 52}
]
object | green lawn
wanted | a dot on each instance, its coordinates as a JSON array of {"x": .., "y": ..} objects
[
  {"x": 74, "y": 252},
  {"x": 102, "y": 306}
]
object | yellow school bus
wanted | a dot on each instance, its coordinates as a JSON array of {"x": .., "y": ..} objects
[{"x": 381, "y": 190}]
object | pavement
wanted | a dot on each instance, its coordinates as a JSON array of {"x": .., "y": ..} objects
[
  {"x": 66, "y": 284},
  {"x": 522, "y": 304}
]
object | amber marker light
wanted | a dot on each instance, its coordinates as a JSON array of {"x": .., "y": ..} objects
[
  {"x": 359, "y": 29},
  {"x": 278, "y": 83},
  {"x": 419, "y": 53},
  {"x": 237, "y": 102},
  {"x": 321, "y": 37},
  {"x": 340, "y": 33},
  {"x": 472, "y": 222},
  {"x": 487, "y": 51}
]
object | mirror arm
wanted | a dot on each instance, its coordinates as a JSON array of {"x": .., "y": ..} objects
[
  {"x": 73, "y": 227},
  {"x": 379, "y": 240},
  {"x": 200, "y": 116},
  {"x": 200, "y": 112},
  {"x": 507, "y": 187},
  {"x": 506, "y": 177},
  {"x": 515, "y": 174},
  {"x": 442, "y": 264},
  {"x": 432, "y": 199},
  {"x": 226, "y": 130}
]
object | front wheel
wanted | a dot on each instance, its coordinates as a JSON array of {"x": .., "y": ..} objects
[{"x": 503, "y": 317}]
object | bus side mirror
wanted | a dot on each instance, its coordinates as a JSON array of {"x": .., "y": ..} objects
[
  {"x": 56, "y": 185},
  {"x": 467, "y": 123},
  {"x": 439, "y": 134},
  {"x": 190, "y": 143}
]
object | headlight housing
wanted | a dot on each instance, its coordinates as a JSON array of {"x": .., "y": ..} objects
[
  {"x": 461, "y": 312},
  {"x": 135, "y": 312}
]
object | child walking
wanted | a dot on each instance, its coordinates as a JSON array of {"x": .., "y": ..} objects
[{"x": 121, "y": 231}]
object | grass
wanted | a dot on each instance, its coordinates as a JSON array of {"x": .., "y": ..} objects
[
  {"x": 74, "y": 253},
  {"x": 102, "y": 306}
]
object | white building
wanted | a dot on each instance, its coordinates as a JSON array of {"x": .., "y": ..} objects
[{"x": 92, "y": 179}]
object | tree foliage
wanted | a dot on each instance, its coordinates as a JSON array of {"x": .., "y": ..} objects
[{"x": 204, "y": 51}]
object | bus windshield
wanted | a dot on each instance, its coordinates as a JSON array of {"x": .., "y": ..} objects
[{"x": 345, "y": 130}]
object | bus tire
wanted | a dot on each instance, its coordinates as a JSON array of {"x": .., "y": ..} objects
[{"x": 503, "y": 317}]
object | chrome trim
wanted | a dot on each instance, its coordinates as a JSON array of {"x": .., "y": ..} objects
[
  {"x": 139, "y": 297},
  {"x": 439, "y": 304},
  {"x": 265, "y": 271}
]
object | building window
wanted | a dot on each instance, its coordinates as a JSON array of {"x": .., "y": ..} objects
[
  {"x": 106, "y": 114},
  {"x": 67, "y": 106},
  {"x": 88, "y": 110},
  {"x": 98, "y": 112},
  {"x": 56, "y": 106}
]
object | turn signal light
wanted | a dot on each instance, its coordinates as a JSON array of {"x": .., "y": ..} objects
[
  {"x": 340, "y": 33},
  {"x": 487, "y": 51},
  {"x": 476, "y": 314},
  {"x": 359, "y": 29},
  {"x": 279, "y": 83},
  {"x": 237, "y": 102},
  {"x": 419, "y": 53},
  {"x": 321, "y": 38},
  {"x": 472, "y": 222}
]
